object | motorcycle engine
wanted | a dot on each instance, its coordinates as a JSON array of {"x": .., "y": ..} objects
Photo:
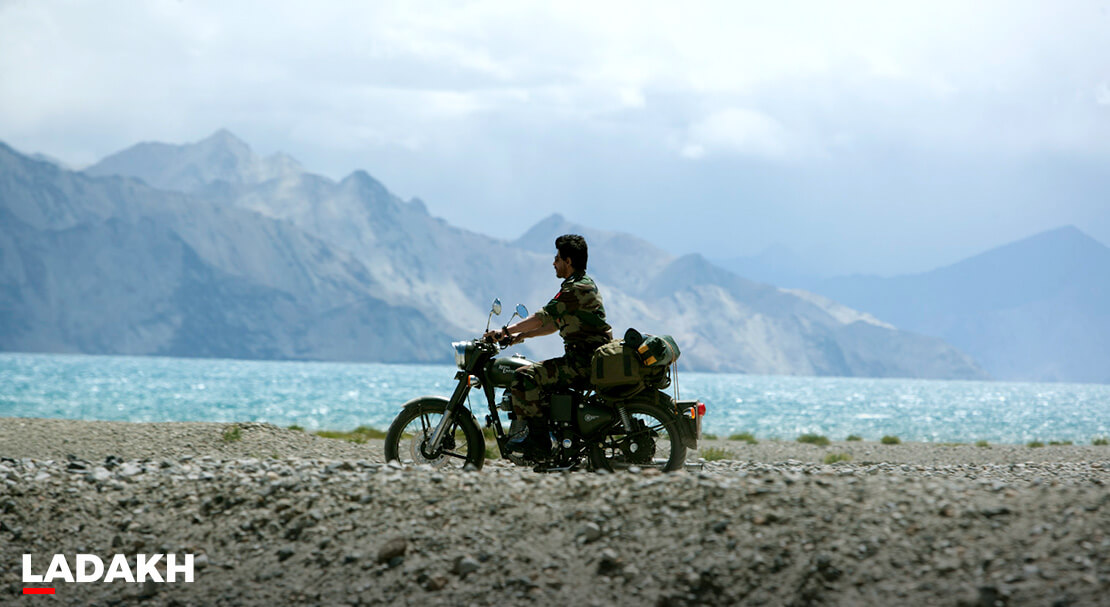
[
  {"x": 506, "y": 403},
  {"x": 518, "y": 425}
]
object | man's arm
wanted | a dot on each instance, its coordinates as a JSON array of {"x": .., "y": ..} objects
[
  {"x": 521, "y": 333},
  {"x": 533, "y": 326}
]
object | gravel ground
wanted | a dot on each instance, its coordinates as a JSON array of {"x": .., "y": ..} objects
[{"x": 278, "y": 517}]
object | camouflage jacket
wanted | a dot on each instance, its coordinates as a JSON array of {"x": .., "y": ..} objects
[{"x": 577, "y": 311}]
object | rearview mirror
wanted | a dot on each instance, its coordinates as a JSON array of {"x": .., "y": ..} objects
[
  {"x": 497, "y": 307},
  {"x": 521, "y": 311}
]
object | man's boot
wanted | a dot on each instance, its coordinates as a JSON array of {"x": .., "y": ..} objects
[{"x": 535, "y": 443}]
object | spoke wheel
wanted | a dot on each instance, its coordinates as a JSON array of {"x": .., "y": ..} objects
[
  {"x": 409, "y": 437},
  {"x": 653, "y": 441}
]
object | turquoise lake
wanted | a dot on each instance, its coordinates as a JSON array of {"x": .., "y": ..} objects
[{"x": 342, "y": 396}]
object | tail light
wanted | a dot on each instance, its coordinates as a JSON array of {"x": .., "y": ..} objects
[{"x": 695, "y": 411}]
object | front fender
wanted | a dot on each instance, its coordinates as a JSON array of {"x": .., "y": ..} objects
[{"x": 437, "y": 400}]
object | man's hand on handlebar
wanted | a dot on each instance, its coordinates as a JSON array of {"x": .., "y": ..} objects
[{"x": 503, "y": 337}]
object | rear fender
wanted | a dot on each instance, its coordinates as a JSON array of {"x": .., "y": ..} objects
[{"x": 687, "y": 428}]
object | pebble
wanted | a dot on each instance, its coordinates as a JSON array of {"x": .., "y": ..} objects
[
  {"x": 590, "y": 532},
  {"x": 393, "y": 548},
  {"x": 129, "y": 469},
  {"x": 465, "y": 565},
  {"x": 609, "y": 562}
]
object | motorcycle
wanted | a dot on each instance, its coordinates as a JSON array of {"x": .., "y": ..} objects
[{"x": 590, "y": 429}]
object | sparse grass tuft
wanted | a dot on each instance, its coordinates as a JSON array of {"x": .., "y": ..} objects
[
  {"x": 814, "y": 439},
  {"x": 982, "y": 443},
  {"x": 1059, "y": 443},
  {"x": 359, "y": 435},
  {"x": 890, "y": 440},
  {"x": 1034, "y": 444},
  {"x": 1101, "y": 441},
  {"x": 833, "y": 458},
  {"x": 854, "y": 438},
  {"x": 747, "y": 437},
  {"x": 233, "y": 433},
  {"x": 709, "y": 436},
  {"x": 492, "y": 452},
  {"x": 713, "y": 454},
  {"x": 347, "y": 436},
  {"x": 297, "y": 428},
  {"x": 370, "y": 432}
]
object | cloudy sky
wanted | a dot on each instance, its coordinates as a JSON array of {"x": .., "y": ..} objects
[{"x": 876, "y": 137}]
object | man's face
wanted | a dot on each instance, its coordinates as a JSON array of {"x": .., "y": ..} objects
[{"x": 563, "y": 269}]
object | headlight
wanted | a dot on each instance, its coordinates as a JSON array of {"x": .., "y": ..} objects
[{"x": 462, "y": 350}]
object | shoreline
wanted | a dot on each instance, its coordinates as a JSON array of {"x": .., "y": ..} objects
[
  {"x": 279, "y": 516},
  {"x": 57, "y": 438}
]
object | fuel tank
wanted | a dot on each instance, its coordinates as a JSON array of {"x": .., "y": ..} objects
[{"x": 501, "y": 370}]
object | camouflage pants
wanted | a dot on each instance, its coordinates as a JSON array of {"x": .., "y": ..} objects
[{"x": 533, "y": 384}]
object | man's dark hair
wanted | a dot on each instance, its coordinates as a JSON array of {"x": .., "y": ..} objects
[{"x": 573, "y": 247}]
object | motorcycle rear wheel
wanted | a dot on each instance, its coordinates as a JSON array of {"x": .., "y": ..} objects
[
  {"x": 407, "y": 439},
  {"x": 654, "y": 441}
]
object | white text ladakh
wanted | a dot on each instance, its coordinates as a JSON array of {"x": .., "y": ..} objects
[{"x": 91, "y": 568}]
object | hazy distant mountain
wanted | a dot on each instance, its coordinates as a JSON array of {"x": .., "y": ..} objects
[
  {"x": 726, "y": 323},
  {"x": 417, "y": 259},
  {"x": 110, "y": 265},
  {"x": 51, "y": 160},
  {"x": 777, "y": 265},
  {"x": 1036, "y": 309},
  {"x": 220, "y": 159},
  {"x": 245, "y": 257},
  {"x": 618, "y": 260}
]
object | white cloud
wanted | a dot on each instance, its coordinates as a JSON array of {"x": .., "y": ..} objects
[
  {"x": 631, "y": 97},
  {"x": 489, "y": 102},
  {"x": 1102, "y": 94},
  {"x": 568, "y": 61},
  {"x": 692, "y": 151},
  {"x": 737, "y": 130}
]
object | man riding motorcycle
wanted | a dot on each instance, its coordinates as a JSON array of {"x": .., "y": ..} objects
[{"x": 577, "y": 313}]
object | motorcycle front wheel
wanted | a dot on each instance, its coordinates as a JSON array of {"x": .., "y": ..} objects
[
  {"x": 652, "y": 442},
  {"x": 408, "y": 438}
]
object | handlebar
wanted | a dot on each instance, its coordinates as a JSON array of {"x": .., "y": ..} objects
[{"x": 502, "y": 343}]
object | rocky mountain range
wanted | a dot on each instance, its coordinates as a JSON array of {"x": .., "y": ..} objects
[
  {"x": 111, "y": 265},
  {"x": 1033, "y": 310},
  {"x": 207, "y": 249},
  {"x": 728, "y": 323}
]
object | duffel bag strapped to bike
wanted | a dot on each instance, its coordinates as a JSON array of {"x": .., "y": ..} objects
[
  {"x": 658, "y": 350},
  {"x": 615, "y": 364},
  {"x": 653, "y": 350},
  {"x": 616, "y": 371}
]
